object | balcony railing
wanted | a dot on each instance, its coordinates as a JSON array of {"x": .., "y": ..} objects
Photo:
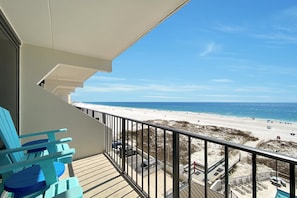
[{"x": 158, "y": 162}]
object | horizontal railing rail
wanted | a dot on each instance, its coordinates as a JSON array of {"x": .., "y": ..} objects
[{"x": 151, "y": 157}]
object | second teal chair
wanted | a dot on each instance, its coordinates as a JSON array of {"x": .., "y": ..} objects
[{"x": 39, "y": 178}]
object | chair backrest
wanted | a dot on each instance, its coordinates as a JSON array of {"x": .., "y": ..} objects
[{"x": 8, "y": 134}]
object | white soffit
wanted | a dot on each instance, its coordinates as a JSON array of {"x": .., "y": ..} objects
[
  {"x": 96, "y": 28},
  {"x": 62, "y": 72},
  {"x": 66, "y": 78}
]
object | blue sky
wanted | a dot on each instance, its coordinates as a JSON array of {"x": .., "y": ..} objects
[{"x": 214, "y": 51}]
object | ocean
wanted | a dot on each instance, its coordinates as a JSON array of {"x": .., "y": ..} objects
[{"x": 286, "y": 112}]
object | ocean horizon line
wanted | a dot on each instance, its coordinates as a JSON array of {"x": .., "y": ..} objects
[{"x": 281, "y": 111}]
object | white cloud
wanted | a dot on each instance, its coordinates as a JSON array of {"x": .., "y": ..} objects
[
  {"x": 104, "y": 88},
  {"x": 281, "y": 31},
  {"x": 111, "y": 88},
  {"x": 287, "y": 29},
  {"x": 258, "y": 89},
  {"x": 236, "y": 97},
  {"x": 164, "y": 97},
  {"x": 278, "y": 38},
  {"x": 105, "y": 78},
  {"x": 223, "y": 80},
  {"x": 177, "y": 88},
  {"x": 229, "y": 28},
  {"x": 209, "y": 49},
  {"x": 290, "y": 12}
]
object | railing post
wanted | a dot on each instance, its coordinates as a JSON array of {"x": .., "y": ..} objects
[
  {"x": 254, "y": 175},
  {"x": 205, "y": 169},
  {"x": 148, "y": 153},
  {"x": 189, "y": 169},
  {"x": 165, "y": 168},
  {"x": 156, "y": 161},
  {"x": 107, "y": 140},
  {"x": 175, "y": 165},
  {"x": 142, "y": 175},
  {"x": 104, "y": 118},
  {"x": 292, "y": 180},
  {"x": 123, "y": 144},
  {"x": 226, "y": 171}
]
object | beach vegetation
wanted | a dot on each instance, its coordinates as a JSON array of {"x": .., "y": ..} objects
[
  {"x": 151, "y": 139},
  {"x": 288, "y": 148}
]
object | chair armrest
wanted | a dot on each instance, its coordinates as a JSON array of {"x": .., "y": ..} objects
[
  {"x": 25, "y": 148},
  {"x": 50, "y": 134},
  {"x": 37, "y": 160}
]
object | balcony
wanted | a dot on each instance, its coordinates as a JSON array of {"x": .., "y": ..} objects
[
  {"x": 146, "y": 160},
  {"x": 99, "y": 178}
]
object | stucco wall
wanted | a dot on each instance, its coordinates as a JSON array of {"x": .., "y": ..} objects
[{"x": 41, "y": 110}]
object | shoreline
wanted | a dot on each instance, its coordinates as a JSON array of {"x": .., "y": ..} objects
[
  {"x": 258, "y": 127},
  {"x": 190, "y": 111}
]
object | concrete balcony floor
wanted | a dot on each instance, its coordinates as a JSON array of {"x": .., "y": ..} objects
[{"x": 99, "y": 178}]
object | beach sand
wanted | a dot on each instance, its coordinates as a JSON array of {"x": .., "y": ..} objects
[
  {"x": 272, "y": 135},
  {"x": 260, "y": 128}
]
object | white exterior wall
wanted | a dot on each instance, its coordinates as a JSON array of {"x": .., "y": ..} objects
[{"x": 41, "y": 110}]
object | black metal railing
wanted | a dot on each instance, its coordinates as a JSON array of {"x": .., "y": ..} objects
[{"x": 158, "y": 162}]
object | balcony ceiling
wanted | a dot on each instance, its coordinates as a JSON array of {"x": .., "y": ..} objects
[
  {"x": 96, "y": 28},
  {"x": 101, "y": 29}
]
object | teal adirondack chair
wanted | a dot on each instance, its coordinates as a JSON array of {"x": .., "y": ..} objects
[
  {"x": 40, "y": 178},
  {"x": 19, "y": 155},
  {"x": 9, "y": 136},
  {"x": 33, "y": 149}
]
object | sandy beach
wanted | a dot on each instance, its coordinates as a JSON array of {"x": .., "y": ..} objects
[
  {"x": 272, "y": 135},
  {"x": 260, "y": 128}
]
